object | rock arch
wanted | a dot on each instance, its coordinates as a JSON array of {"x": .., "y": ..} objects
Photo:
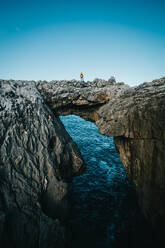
[
  {"x": 134, "y": 116},
  {"x": 136, "y": 119}
]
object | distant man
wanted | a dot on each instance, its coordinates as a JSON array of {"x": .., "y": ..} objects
[{"x": 81, "y": 77}]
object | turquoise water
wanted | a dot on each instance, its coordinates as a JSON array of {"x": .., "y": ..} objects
[{"x": 104, "y": 211}]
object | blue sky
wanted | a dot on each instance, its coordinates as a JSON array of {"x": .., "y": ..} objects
[{"x": 58, "y": 39}]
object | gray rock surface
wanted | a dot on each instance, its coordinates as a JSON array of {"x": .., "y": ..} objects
[
  {"x": 37, "y": 161},
  {"x": 38, "y": 158},
  {"x": 81, "y": 98},
  {"x": 137, "y": 121},
  {"x": 135, "y": 116}
]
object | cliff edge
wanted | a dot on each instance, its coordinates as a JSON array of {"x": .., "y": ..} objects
[{"x": 136, "y": 119}]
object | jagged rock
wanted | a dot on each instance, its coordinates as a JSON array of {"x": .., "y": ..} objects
[
  {"x": 37, "y": 161},
  {"x": 81, "y": 98},
  {"x": 136, "y": 118},
  {"x": 37, "y": 156},
  {"x": 137, "y": 121}
]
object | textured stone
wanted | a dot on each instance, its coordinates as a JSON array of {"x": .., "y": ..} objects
[
  {"x": 136, "y": 118},
  {"x": 137, "y": 121},
  {"x": 38, "y": 158},
  {"x": 37, "y": 161},
  {"x": 81, "y": 98}
]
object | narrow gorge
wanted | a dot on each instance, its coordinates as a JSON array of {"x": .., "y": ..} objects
[{"x": 38, "y": 158}]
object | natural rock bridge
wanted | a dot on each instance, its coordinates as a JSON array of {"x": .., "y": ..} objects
[
  {"x": 136, "y": 119},
  {"x": 80, "y": 98},
  {"x": 38, "y": 158}
]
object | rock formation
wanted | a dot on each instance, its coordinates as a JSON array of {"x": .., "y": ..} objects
[
  {"x": 37, "y": 161},
  {"x": 136, "y": 118},
  {"x": 137, "y": 121},
  {"x": 38, "y": 158},
  {"x": 81, "y": 98}
]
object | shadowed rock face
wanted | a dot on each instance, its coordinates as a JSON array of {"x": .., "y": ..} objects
[
  {"x": 137, "y": 121},
  {"x": 37, "y": 160}
]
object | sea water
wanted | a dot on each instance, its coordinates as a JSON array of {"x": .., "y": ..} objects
[{"x": 104, "y": 212}]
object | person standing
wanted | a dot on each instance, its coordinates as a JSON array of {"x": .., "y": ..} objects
[{"x": 81, "y": 77}]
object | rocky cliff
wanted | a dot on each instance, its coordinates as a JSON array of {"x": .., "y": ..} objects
[
  {"x": 136, "y": 119},
  {"x": 37, "y": 161},
  {"x": 38, "y": 158}
]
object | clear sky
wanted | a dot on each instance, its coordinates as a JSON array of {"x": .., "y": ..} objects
[{"x": 58, "y": 39}]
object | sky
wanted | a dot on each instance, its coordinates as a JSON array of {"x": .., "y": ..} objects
[{"x": 59, "y": 39}]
